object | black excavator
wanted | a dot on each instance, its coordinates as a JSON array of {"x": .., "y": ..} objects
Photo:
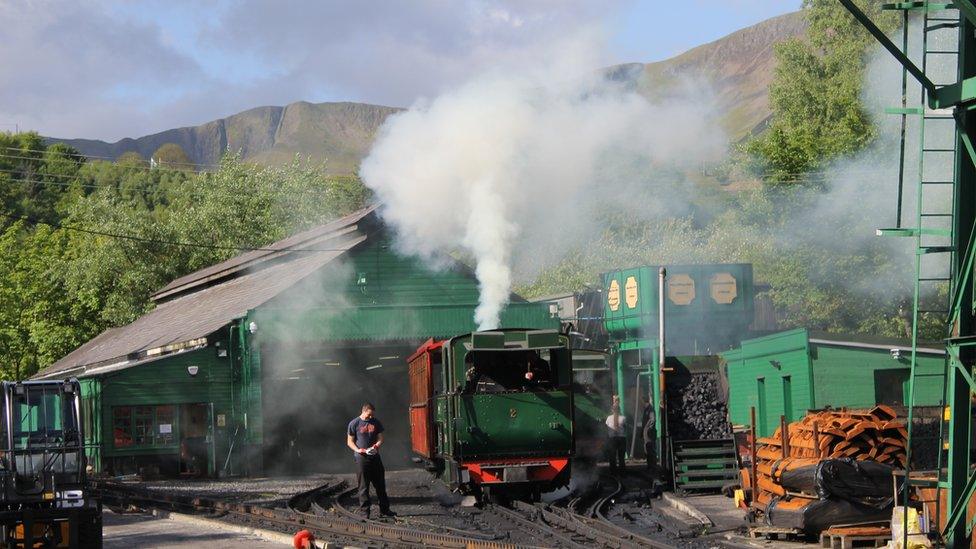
[{"x": 45, "y": 500}]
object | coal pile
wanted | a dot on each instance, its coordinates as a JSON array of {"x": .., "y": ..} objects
[{"x": 696, "y": 409}]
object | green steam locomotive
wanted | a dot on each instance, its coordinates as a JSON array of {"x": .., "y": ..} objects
[{"x": 491, "y": 413}]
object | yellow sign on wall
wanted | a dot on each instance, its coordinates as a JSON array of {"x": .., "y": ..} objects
[
  {"x": 681, "y": 289},
  {"x": 723, "y": 288},
  {"x": 613, "y": 295},
  {"x": 630, "y": 292}
]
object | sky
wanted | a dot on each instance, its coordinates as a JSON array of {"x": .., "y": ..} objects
[{"x": 108, "y": 70}]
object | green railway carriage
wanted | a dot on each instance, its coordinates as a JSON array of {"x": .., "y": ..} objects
[{"x": 492, "y": 412}]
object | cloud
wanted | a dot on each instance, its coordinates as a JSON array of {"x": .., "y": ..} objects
[
  {"x": 99, "y": 70},
  {"x": 392, "y": 52},
  {"x": 519, "y": 163},
  {"x": 66, "y": 65}
]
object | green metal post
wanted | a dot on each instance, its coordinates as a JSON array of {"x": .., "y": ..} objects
[
  {"x": 883, "y": 39},
  {"x": 904, "y": 124},
  {"x": 961, "y": 318},
  {"x": 620, "y": 378},
  {"x": 656, "y": 402},
  {"x": 621, "y": 382},
  {"x": 959, "y": 389}
]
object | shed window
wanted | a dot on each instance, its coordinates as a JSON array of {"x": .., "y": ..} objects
[
  {"x": 143, "y": 426},
  {"x": 122, "y": 426},
  {"x": 164, "y": 425},
  {"x": 143, "y": 420}
]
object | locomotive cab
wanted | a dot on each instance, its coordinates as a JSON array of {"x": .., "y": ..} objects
[{"x": 494, "y": 410}]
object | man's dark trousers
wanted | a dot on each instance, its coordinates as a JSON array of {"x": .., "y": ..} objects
[
  {"x": 370, "y": 471},
  {"x": 650, "y": 447},
  {"x": 618, "y": 449}
]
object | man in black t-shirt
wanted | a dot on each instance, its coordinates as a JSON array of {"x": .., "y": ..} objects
[{"x": 364, "y": 436}]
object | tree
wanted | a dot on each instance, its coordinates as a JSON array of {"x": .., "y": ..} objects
[
  {"x": 132, "y": 158},
  {"x": 40, "y": 320},
  {"x": 172, "y": 156},
  {"x": 816, "y": 93},
  {"x": 35, "y": 178},
  {"x": 64, "y": 278}
]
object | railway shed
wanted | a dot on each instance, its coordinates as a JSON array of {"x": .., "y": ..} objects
[
  {"x": 790, "y": 372},
  {"x": 255, "y": 365}
]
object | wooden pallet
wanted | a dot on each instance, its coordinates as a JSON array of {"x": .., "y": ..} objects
[
  {"x": 774, "y": 533},
  {"x": 849, "y": 538}
]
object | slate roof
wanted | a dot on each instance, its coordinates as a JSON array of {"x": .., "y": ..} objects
[
  {"x": 248, "y": 260},
  {"x": 196, "y": 305},
  {"x": 875, "y": 342}
]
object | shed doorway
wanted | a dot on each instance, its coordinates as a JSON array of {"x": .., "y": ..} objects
[
  {"x": 891, "y": 386},
  {"x": 310, "y": 393},
  {"x": 195, "y": 439}
]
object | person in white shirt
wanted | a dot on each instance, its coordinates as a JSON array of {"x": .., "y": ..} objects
[{"x": 617, "y": 437}]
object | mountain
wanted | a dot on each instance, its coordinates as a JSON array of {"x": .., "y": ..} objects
[
  {"x": 338, "y": 133},
  {"x": 737, "y": 70}
]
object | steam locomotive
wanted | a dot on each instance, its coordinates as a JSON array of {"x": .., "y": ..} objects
[{"x": 491, "y": 413}]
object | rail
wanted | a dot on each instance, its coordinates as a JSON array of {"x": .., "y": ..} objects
[{"x": 291, "y": 520}]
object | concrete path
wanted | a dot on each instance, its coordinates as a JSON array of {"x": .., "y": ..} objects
[{"x": 141, "y": 530}]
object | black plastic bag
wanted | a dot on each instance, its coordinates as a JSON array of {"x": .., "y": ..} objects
[
  {"x": 852, "y": 480},
  {"x": 864, "y": 482},
  {"x": 821, "y": 514}
]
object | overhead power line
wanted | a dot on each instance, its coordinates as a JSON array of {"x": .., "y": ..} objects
[
  {"x": 136, "y": 238},
  {"x": 145, "y": 168},
  {"x": 109, "y": 158},
  {"x": 809, "y": 177},
  {"x": 76, "y": 181}
]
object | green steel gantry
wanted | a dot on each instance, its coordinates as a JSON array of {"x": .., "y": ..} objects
[{"x": 947, "y": 234}]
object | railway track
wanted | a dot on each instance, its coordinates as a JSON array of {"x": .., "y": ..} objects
[
  {"x": 620, "y": 524},
  {"x": 290, "y": 520},
  {"x": 321, "y": 506},
  {"x": 321, "y": 511}
]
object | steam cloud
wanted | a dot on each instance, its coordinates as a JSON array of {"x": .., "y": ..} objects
[{"x": 511, "y": 167}]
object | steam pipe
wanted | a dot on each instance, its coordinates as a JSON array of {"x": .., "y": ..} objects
[{"x": 662, "y": 417}]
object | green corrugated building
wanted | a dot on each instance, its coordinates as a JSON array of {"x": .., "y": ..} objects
[
  {"x": 790, "y": 372},
  {"x": 256, "y": 364}
]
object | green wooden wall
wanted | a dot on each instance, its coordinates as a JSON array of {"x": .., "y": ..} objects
[
  {"x": 91, "y": 416},
  {"x": 162, "y": 382},
  {"x": 848, "y": 376},
  {"x": 787, "y": 374},
  {"x": 759, "y": 371},
  {"x": 392, "y": 279},
  {"x": 375, "y": 275}
]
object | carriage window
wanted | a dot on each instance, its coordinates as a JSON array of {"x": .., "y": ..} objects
[{"x": 504, "y": 371}]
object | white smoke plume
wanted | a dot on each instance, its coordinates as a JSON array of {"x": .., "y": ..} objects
[{"x": 510, "y": 168}]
